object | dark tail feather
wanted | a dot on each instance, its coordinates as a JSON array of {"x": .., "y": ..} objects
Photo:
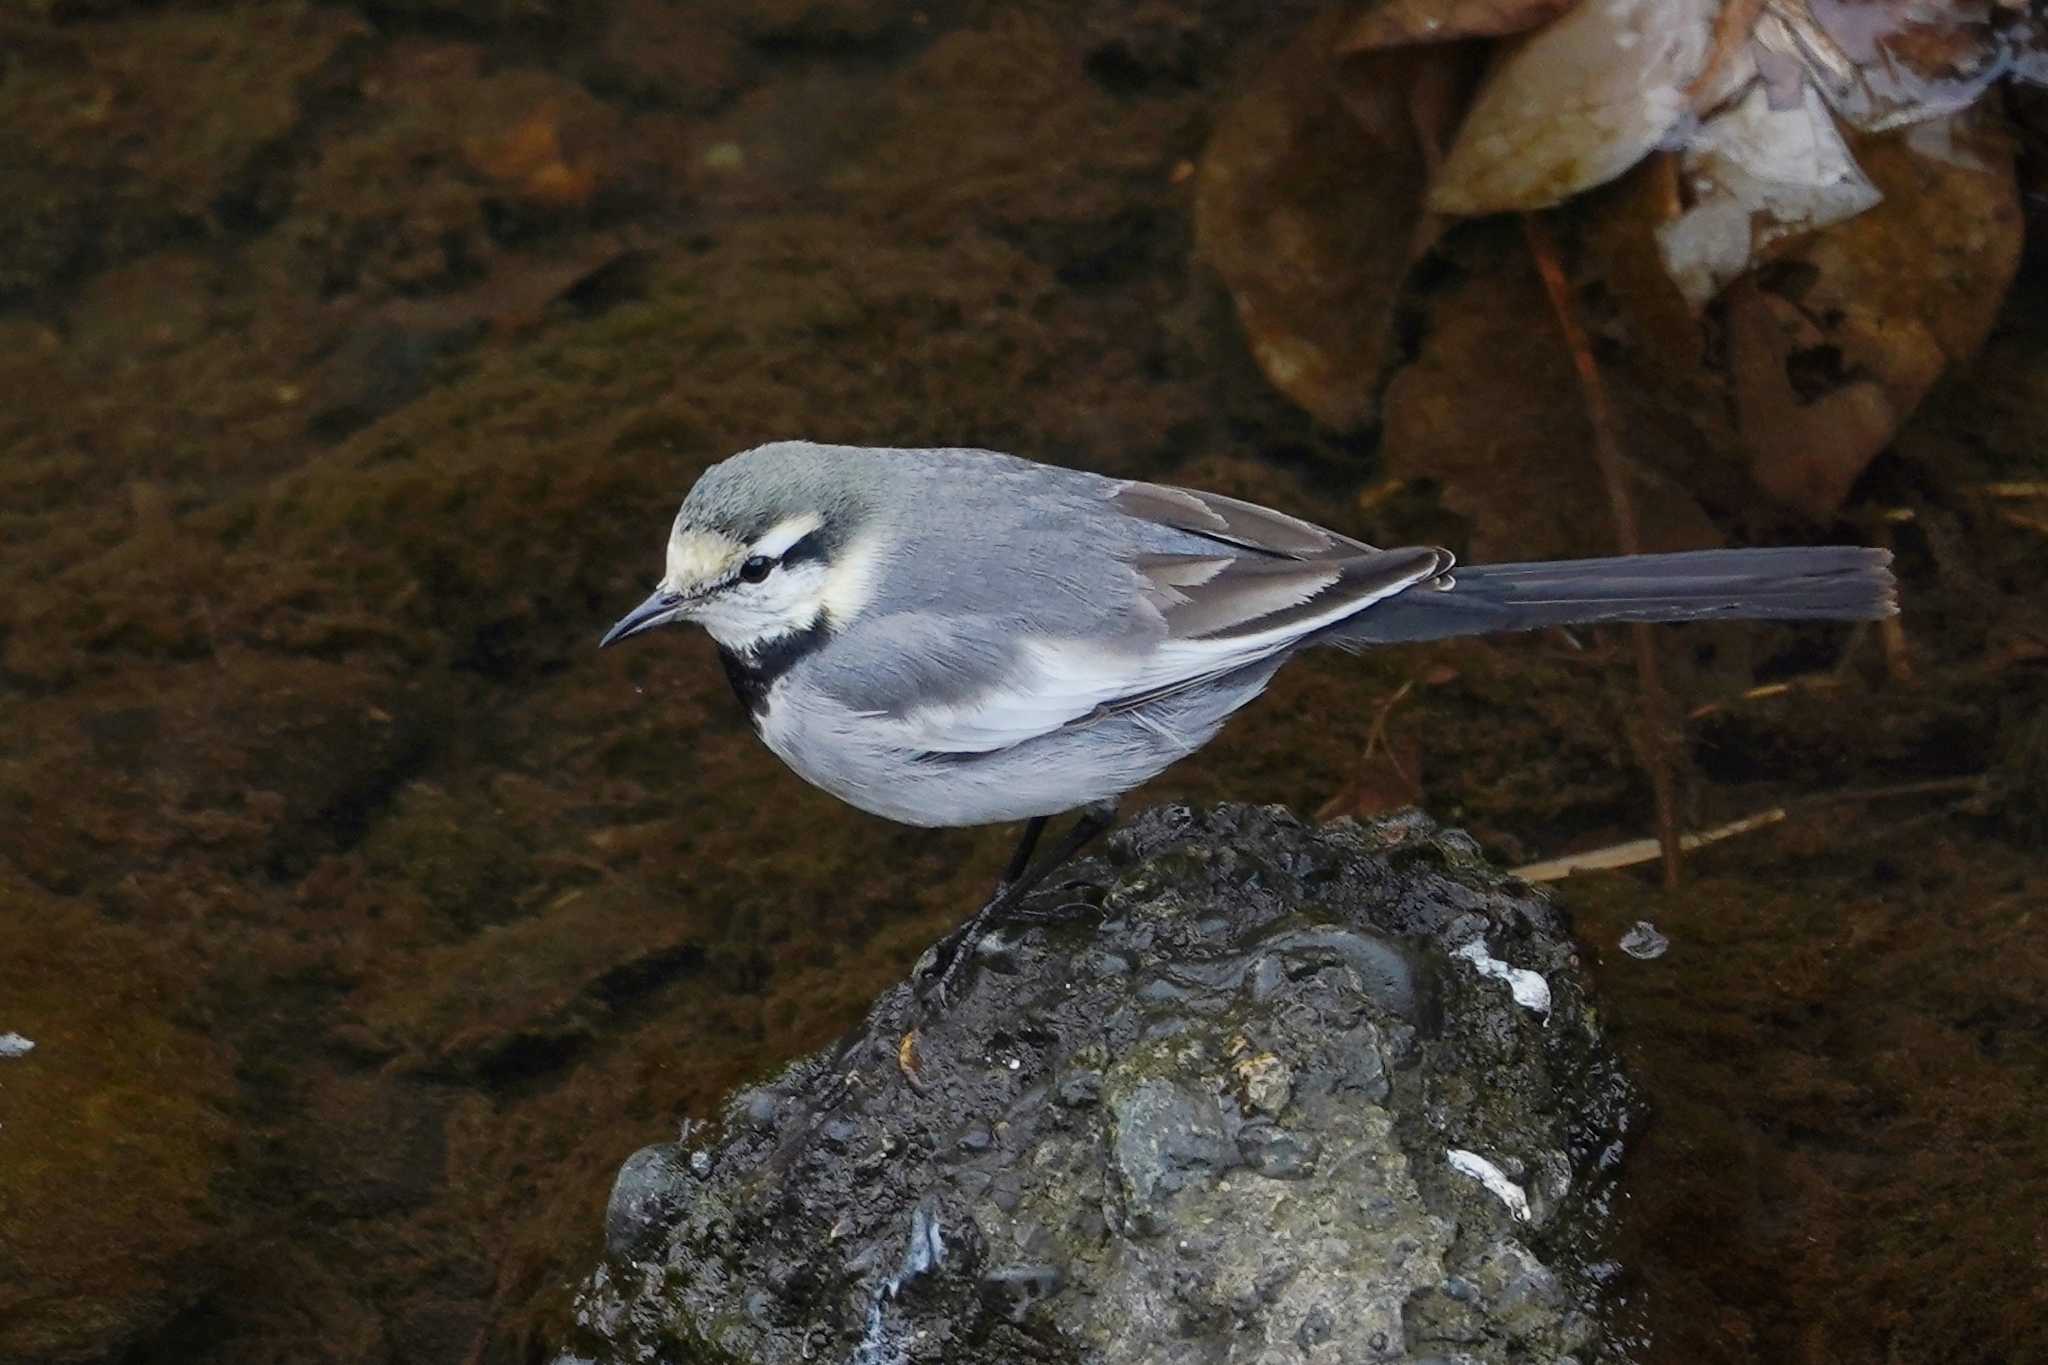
[{"x": 1794, "y": 583}]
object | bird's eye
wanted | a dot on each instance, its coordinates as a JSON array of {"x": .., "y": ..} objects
[{"x": 756, "y": 568}]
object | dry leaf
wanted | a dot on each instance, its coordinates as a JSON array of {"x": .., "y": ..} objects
[
  {"x": 1811, "y": 426},
  {"x": 1888, "y": 63},
  {"x": 1576, "y": 104},
  {"x": 1758, "y": 175},
  {"x": 1398, "y": 23},
  {"x": 1731, "y": 62},
  {"x": 1847, "y": 332},
  {"x": 1309, "y": 224},
  {"x": 1491, "y": 413}
]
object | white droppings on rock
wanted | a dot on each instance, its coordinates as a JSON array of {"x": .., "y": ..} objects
[
  {"x": 14, "y": 1045},
  {"x": 1529, "y": 988},
  {"x": 1491, "y": 1176}
]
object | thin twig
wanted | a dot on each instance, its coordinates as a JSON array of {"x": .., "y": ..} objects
[
  {"x": 1654, "y": 747},
  {"x": 1378, "y": 737},
  {"x": 1892, "y": 832},
  {"x": 1633, "y": 851},
  {"x": 1973, "y": 785},
  {"x": 1805, "y": 683},
  {"x": 1347, "y": 799}
]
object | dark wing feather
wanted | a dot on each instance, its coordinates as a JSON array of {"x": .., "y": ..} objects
[
  {"x": 1236, "y": 605},
  {"x": 1273, "y": 581},
  {"x": 1248, "y": 598},
  {"x": 1273, "y": 578},
  {"x": 1228, "y": 521}
]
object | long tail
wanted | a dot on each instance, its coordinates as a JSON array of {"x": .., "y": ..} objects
[{"x": 1794, "y": 583}]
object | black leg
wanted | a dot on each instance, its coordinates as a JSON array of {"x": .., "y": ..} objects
[
  {"x": 941, "y": 965},
  {"x": 1021, "y": 859}
]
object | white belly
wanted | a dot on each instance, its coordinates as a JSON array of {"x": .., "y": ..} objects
[{"x": 1073, "y": 766}]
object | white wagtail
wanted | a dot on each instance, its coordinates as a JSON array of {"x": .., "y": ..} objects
[{"x": 959, "y": 637}]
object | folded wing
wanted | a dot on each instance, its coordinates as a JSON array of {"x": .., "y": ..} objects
[{"x": 1195, "y": 616}]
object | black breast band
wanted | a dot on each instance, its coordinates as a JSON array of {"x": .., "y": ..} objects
[{"x": 753, "y": 673}]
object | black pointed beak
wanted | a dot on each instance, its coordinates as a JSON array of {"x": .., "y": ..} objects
[{"x": 658, "y": 610}]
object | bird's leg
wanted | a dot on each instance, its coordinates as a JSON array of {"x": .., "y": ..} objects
[
  {"x": 1008, "y": 887},
  {"x": 942, "y": 962},
  {"x": 944, "y": 956},
  {"x": 1020, "y": 860}
]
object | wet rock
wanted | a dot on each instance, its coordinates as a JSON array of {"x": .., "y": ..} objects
[
  {"x": 1165, "y": 1137},
  {"x": 1298, "y": 1124},
  {"x": 646, "y": 1198}
]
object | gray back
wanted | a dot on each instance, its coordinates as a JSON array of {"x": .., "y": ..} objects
[{"x": 963, "y": 532}]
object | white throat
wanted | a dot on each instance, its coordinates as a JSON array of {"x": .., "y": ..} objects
[{"x": 751, "y": 617}]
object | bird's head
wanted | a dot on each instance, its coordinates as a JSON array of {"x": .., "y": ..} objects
[{"x": 774, "y": 541}]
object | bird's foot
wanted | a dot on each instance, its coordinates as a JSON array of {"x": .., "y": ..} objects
[
  {"x": 935, "y": 974},
  {"x": 940, "y": 968},
  {"x": 1064, "y": 913}
]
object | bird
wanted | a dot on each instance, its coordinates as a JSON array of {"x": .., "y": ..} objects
[{"x": 952, "y": 636}]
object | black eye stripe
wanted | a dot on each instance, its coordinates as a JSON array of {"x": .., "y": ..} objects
[{"x": 809, "y": 549}]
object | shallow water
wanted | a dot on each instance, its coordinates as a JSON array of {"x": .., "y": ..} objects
[{"x": 363, "y": 918}]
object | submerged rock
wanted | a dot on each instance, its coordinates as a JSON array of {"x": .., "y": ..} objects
[{"x": 1245, "y": 1092}]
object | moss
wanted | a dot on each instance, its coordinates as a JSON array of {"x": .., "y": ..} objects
[
  {"x": 1843, "y": 1147},
  {"x": 2022, "y": 777},
  {"x": 117, "y": 1133},
  {"x": 143, "y": 128},
  {"x": 314, "y": 714}
]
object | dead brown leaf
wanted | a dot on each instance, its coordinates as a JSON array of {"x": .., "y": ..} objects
[
  {"x": 1890, "y": 63},
  {"x": 1491, "y": 412},
  {"x": 1811, "y": 433},
  {"x": 1575, "y": 104},
  {"x": 1731, "y": 47},
  {"x": 1398, "y": 23},
  {"x": 1310, "y": 224},
  {"x": 1833, "y": 347}
]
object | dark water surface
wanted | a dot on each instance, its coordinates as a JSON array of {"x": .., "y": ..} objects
[{"x": 353, "y": 360}]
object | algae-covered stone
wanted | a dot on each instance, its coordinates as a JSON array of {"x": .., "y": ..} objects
[
  {"x": 136, "y": 132},
  {"x": 1264, "y": 1110}
]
